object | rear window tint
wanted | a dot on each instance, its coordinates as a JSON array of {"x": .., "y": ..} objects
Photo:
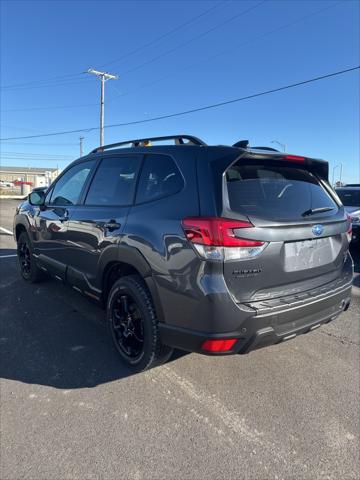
[
  {"x": 114, "y": 181},
  {"x": 276, "y": 192},
  {"x": 160, "y": 177}
]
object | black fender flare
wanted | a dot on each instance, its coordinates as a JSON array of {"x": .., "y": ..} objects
[{"x": 133, "y": 257}]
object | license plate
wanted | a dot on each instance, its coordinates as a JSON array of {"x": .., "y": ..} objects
[{"x": 308, "y": 254}]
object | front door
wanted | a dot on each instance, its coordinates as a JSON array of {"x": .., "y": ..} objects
[{"x": 52, "y": 220}]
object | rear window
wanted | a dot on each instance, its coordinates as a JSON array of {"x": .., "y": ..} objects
[
  {"x": 274, "y": 192},
  {"x": 349, "y": 198}
]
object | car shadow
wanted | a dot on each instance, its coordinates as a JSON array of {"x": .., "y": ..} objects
[{"x": 50, "y": 335}]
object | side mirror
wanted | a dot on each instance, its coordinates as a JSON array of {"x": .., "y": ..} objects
[{"x": 37, "y": 198}]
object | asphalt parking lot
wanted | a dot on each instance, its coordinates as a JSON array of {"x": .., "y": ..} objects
[{"x": 69, "y": 410}]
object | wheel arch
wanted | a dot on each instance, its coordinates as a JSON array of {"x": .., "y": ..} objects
[
  {"x": 19, "y": 228},
  {"x": 127, "y": 261}
]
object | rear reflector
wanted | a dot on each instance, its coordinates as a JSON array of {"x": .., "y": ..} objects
[{"x": 218, "y": 345}]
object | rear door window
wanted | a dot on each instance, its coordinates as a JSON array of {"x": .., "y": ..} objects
[
  {"x": 160, "y": 177},
  {"x": 273, "y": 192},
  {"x": 114, "y": 181}
]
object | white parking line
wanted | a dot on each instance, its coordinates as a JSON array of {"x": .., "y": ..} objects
[
  {"x": 7, "y": 256},
  {"x": 5, "y": 230}
]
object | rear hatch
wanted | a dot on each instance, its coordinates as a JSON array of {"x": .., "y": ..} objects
[{"x": 293, "y": 212}]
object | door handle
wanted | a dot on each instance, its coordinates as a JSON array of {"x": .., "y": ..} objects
[{"x": 111, "y": 225}]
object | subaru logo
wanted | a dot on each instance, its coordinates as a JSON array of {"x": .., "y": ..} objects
[{"x": 317, "y": 230}]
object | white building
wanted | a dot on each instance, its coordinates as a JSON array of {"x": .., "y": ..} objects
[{"x": 38, "y": 177}]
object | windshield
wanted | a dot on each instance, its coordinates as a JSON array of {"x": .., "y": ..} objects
[
  {"x": 275, "y": 192},
  {"x": 349, "y": 198}
]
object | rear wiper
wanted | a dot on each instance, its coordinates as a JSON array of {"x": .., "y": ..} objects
[{"x": 313, "y": 211}]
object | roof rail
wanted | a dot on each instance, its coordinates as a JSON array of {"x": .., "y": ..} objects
[{"x": 141, "y": 142}]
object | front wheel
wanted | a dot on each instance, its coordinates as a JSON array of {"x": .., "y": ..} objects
[
  {"x": 133, "y": 325},
  {"x": 28, "y": 268}
]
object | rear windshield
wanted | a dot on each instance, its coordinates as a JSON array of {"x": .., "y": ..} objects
[
  {"x": 275, "y": 192},
  {"x": 349, "y": 198}
]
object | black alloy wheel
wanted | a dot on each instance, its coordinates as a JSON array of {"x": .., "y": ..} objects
[
  {"x": 27, "y": 263},
  {"x": 133, "y": 325},
  {"x": 127, "y": 325}
]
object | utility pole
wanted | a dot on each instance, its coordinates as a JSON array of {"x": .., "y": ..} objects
[
  {"x": 103, "y": 77},
  {"x": 333, "y": 173},
  {"x": 81, "y": 146}
]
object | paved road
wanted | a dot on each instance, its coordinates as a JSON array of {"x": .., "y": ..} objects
[{"x": 69, "y": 410}]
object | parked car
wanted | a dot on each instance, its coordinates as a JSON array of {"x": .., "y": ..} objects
[
  {"x": 210, "y": 249},
  {"x": 6, "y": 184},
  {"x": 350, "y": 197}
]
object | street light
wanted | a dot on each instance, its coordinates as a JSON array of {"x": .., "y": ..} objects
[
  {"x": 279, "y": 143},
  {"x": 333, "y": 173}
]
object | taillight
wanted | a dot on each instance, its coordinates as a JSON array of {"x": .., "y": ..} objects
[
  {"x": 215, "y": 239},
  {"x": 349, "y": 230}
]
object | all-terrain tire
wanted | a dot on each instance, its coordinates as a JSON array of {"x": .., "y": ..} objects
[
  {"x": 153, "y": 352},
  {"x": 27, "y": 262}
]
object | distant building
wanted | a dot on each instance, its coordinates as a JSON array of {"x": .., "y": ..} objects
[{"x": 38, "y": 177}]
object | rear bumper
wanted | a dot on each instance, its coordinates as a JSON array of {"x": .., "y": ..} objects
[{"x": 266, "y": 327}]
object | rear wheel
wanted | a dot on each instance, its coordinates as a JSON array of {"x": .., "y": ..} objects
[
  {"x": 28, "y": 268},
  {"x": 133, "y": 325}
]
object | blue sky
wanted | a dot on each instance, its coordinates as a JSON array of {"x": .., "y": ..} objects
[{"x": 220, "y": 55}]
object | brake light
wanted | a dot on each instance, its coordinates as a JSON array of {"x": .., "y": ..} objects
[
  {"x": 218, "y": 345},
  {"x": 349, "y": 230},
  {"x": 216, "y": 231},
  {"x": 294, "y": 158},
  {"x": 214, "y": 238}
]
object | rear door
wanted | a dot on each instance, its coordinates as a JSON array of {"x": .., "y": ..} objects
[
  {"x": 302, "y": 228},
  {"x": 96, "y": 225}
]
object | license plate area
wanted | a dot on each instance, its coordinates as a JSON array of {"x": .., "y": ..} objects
[{"x": 307, "y": 254}]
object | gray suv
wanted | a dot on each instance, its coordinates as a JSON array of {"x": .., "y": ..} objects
[{"x": 210, "y": 249}]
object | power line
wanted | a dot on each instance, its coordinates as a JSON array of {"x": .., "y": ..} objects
[
  {"x": 192, "y": 65},
  {"x": 63, "y": 79},
  {"x": 31, "y": 154},
  {"x": 71, "y": 82},
  {"x": 233, "y": 47},
  {"x": 54, "y": 107},
  {"x": 47, "y": 80},
  {"x": 167, "y": 34},
  {"x": 218, "y": 25},
  {"x": 193, "y": 110},
  {"x": 62, "y": 144}
]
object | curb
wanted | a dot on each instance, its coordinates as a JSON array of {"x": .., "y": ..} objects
[{"x": 13, "y": 197}]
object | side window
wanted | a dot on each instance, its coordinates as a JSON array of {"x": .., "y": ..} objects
[
  {"x": 160, "y": 177},
  {"x": 114, "y": 181},
  {"x": 68, "y": 188}
]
